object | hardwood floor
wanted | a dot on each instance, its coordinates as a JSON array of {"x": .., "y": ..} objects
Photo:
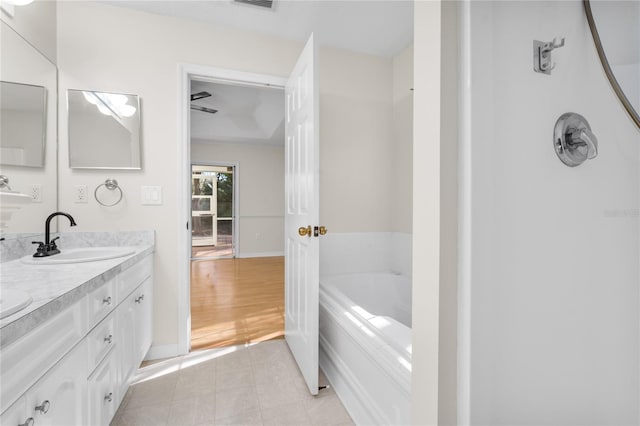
[{"x": 236, "y": 301}]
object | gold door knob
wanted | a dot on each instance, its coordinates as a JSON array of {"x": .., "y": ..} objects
[
  {"x": 323, "y": 230},
  {"x": 302, "y": 231}
]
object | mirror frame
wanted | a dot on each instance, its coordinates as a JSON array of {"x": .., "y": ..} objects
[{"x": 607, "y": 68}]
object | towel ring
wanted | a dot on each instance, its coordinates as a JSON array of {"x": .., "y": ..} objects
[{"x": 111, "y": 185}]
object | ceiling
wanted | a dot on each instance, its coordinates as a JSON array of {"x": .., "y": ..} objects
[
  {"x": 246, "y": 114},
  {"x": 376, "y": 27}
]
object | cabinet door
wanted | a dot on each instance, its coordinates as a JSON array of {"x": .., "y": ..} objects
[
  {"x": 60, "y": 396},
  {"x": 126, "y": 341},
  {"x": 17, "y": 415},
  {"x": 103, "y": 395},
  {"x": 143, "y": 319}
]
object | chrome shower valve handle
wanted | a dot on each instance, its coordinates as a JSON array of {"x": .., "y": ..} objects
[
  {"x": 573, "y": 140},
  {"x": 584, "y": 138}
]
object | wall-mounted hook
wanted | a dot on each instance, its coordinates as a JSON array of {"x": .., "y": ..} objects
[{"x": 542, "y": 55}]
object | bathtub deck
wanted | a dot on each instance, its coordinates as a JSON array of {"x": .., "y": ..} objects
[{"x": 236, "y": 301}]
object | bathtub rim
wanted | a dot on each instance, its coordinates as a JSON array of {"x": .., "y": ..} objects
[{"x": 385, "y": 350}]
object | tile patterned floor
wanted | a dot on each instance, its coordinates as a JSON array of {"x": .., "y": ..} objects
[{"x": 256, "y": 385}]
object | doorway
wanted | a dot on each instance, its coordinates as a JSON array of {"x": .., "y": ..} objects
[
  {"x": 213, "y": 211},
  {"x": 236, "y": 290},
  {"x": 301, "y": 187}
]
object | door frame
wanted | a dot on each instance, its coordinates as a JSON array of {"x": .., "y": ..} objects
[
  {"x": 187, "y": 72},
  {"x": 236, "y": 197}
]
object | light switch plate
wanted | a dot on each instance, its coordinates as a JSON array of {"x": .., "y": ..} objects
[{"x": 151, "y": 195}]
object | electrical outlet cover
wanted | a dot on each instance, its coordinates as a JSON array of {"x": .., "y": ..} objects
[
  {"x": 80, "y": 194},
  {"x": 36, "y": 193}
]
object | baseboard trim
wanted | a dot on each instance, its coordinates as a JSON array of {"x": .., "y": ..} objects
[
  {"x": 261, "y": 254},
  {"x": 163, "y": 351}
]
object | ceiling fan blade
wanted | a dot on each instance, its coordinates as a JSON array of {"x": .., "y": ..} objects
[
  {"x": 200, "y": 95},
  {"x": 204, "y": 109}
]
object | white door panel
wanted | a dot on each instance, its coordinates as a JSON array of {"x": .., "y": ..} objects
[{"x": 302, "y": 206}]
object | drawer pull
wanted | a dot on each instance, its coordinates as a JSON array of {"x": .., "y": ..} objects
[
  {"x": 109, "y": 338},
  {"x": 106, "y": 300},
  {"x": 44, "y": 407},
  {"x": 140, "y": 299},
  {"x": 28, "y": 422},
  {"x": 109, "y": 397}
]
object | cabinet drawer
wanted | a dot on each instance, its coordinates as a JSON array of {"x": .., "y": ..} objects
[
  {"x": 102, "y": 301},
  {"x": 23, "y": 362},
  {"x": 103, "y": 398},
  {"x": 131, "y": 278},
  {"x": 101, "y": 340}
]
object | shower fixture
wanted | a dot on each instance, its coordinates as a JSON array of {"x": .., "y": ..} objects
[
  {"x": 573, "y": 140},
  {"x": 542, "y": 55}
]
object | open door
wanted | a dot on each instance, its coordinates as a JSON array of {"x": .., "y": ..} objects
[{"x": 301, "y": 214}]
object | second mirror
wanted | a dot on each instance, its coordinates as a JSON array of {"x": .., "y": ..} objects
[{"x": 104, "y": 130}]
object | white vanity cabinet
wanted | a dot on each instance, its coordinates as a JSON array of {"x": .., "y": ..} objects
[
  {"x": 134, "y": 322},
  {"x": 75, "y": 368},
  {"x": 103, "y": 390},
  {"x": 58, "y": 398}
]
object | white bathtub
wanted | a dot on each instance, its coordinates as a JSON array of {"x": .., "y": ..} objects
[{"x": 365, "y": 344}]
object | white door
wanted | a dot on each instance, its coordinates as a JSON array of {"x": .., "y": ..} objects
[
  {"x": 301, "y": 212},
  {"x": 204, "y": 207}
]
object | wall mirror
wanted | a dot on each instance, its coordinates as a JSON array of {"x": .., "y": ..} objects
[
  {"x": 28, "y": 97},
  {"x": 104, "y": 130},
  {"x": 23, "y": 119},
  {"x": 615, "y": 26}
]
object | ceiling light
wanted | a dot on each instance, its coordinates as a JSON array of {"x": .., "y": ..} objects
[
  {"x": 90, "y": 97},
  {"x": 127, "y": 110},
  {"x": 103, "y": 109},
  {"x": 116, "y": 99},
  {"x": 18, "y": 2}
]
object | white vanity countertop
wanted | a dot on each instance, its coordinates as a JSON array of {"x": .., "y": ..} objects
[{"x": 55, "y": 287}]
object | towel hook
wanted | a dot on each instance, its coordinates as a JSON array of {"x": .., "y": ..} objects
[
  {"x": 111, "y": 185},
  {"x": 542, "y": 62}
]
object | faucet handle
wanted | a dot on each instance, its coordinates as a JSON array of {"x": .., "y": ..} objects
[
  {"x": 42, "y": 248},
  {"x": 52, "y": 244}
]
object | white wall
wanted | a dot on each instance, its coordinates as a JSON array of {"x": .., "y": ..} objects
[
  {"x": 37, "y": 23},
  {"x": 260, "y": 181},
  {"x": 552, "y": 330},
  {"x": 400, "y": 170},
  {"x": 356, "y": 128},
  {"x": 426, "y": 207},
  {"x": 142, "y": 58}
]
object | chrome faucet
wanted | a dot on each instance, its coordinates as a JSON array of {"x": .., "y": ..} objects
[{"x": 49, "y": 248}]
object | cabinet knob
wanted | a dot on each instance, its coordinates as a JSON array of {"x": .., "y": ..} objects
[
  {"x": 109, "y": 338},
  {"x": 109, "y": 397},
  {"x": 44, "y": 407},
  {"x": 28, "y": 422},
  {"x": 107, "y": 300}
]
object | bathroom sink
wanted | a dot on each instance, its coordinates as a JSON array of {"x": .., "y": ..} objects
[
  {"x": 79, "y": 255},
  {"x": 12, "y": 301}
]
